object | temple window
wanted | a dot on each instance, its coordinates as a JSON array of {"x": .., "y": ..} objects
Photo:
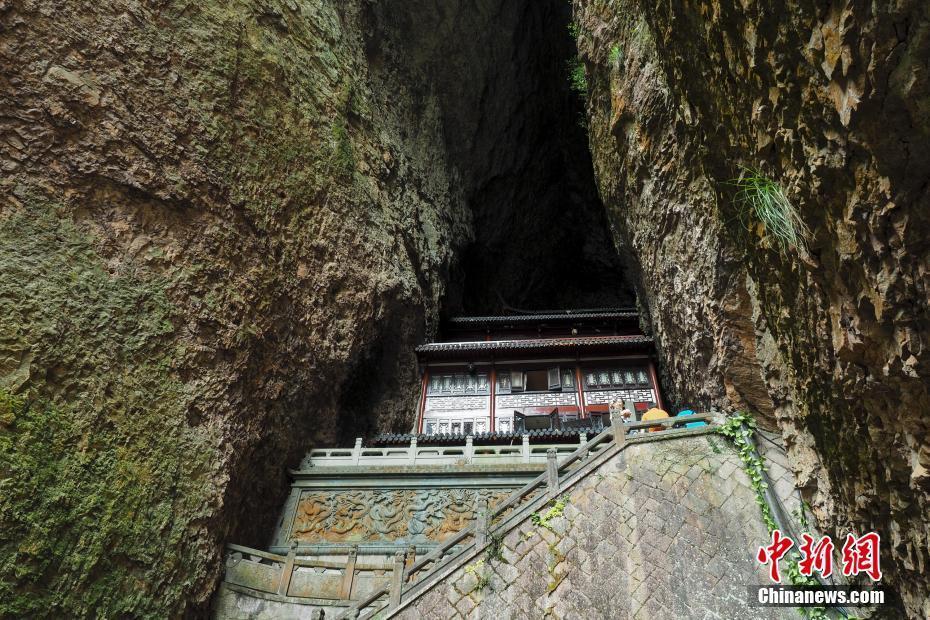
[
  {"x": 537, "y": 381},
  {"x": 457, "y": 383},
  {"x": 605, "y": 378},
  {"x": 449, "y": 424},
  {"x": 553, "y": 379},
  {"x": 503, "y": 383}
]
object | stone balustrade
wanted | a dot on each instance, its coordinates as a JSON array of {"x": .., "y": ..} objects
[{"x": 464, "y": 451}]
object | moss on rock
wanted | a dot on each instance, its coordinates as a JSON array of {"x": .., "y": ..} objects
[{"x": 103, "y": 481}]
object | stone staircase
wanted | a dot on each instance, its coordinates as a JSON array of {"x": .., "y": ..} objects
[
  {"x": 261, "y": 584},
  {"x": 560, "y": 477}
]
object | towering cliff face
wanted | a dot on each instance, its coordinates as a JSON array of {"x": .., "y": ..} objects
[
  {"x": 224, "y": 228},
  {"x": 210, "y": 219},
  {"x": 831, "y": 102}
]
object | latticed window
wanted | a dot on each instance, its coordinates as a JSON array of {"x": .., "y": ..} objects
[
  {"x": 616, "y": 378},
  {"x": 457, "y": 383}
]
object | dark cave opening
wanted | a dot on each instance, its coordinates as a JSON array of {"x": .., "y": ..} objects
[
  {"x": 515, "y": 134},
  {"x": 542, "y": 238}
]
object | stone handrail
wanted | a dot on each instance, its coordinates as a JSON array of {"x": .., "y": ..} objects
[
  {"x": 559, "y": 475},
  {"x": 466, "y": 453},
  {"x": 273, "y": 573}
]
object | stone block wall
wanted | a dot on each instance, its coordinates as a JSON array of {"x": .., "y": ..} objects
[{"x": 663, "y": 530}]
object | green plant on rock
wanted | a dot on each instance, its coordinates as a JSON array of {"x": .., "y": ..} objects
[
  {"x": 735, "y": 429},
  {"x": 762, "y": 207},
  {"x": 555, "y": 578},
  {"x": 343, "y": 156},
  {"x": 577, "y": 77},
  {"x": 574, "y": 29},
  {"x": 495, "y": 548},
  {"x": 615, "y": 55},
  {"x": 105, "y": 485},
  {"x": 483, "y": 579},
  {"x": 554, "y": 512}
]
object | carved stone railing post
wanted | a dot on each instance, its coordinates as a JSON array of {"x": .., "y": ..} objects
[
  {"x": 412, "y": 457},
  {"x": 357, "y": 451},
  {"x": 526, "y": 448},
  {"x": 345, "y": 591},
  {"x": 481, "y": 523},
  {"x": 288, "y": 570},
  {"x": 552, "y": 472},
  {"x": 583, "y": 441},
  {"x": 397, "y": 579},
  {"x": 469, "y": 449},
  {"x": 411, "y": 558},
  {"x": 619, "y": 430}
]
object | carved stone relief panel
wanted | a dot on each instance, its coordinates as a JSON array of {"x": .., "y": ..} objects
[{"x": 387, "y": 515}]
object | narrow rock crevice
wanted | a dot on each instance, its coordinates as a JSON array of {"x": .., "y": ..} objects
[{"x": 517, "y": 146}]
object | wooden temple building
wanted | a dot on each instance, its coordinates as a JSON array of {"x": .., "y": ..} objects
[{"x": 553, "y": 371}]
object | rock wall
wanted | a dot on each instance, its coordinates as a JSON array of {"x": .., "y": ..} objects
[
  {"x": 225, "y": 225},
  {"x": 826, "y": 342},
  {"x": 662, "y": 530},
  {"x": 210, "y": 219}
]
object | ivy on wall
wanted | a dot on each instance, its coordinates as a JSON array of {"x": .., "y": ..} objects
[{"x": 738, "y": 428}]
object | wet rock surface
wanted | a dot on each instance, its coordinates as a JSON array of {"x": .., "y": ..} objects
[
  {"x": 225, "y": 226},
  {"x": 828, "y": 343}
]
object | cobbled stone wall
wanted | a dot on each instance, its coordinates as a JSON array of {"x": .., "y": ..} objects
[{"x": 662, "y": 530}]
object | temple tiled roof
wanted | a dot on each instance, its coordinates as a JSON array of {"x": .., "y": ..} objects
[
  {"x": 567, "y": 315},
  {"x": 534, "y": 344}
]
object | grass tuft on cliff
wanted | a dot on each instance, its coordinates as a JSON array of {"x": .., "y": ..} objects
[
  {"x": 762, "y": 207},
  {"x": 577, "y": 78}
]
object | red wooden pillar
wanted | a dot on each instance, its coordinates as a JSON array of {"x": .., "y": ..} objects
[
  {"x": 492, "y": 396},
  {"x": 655, "y": 385},
  {"x": 422, "y": 401},
  {"x": 580, "y": 384}
]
